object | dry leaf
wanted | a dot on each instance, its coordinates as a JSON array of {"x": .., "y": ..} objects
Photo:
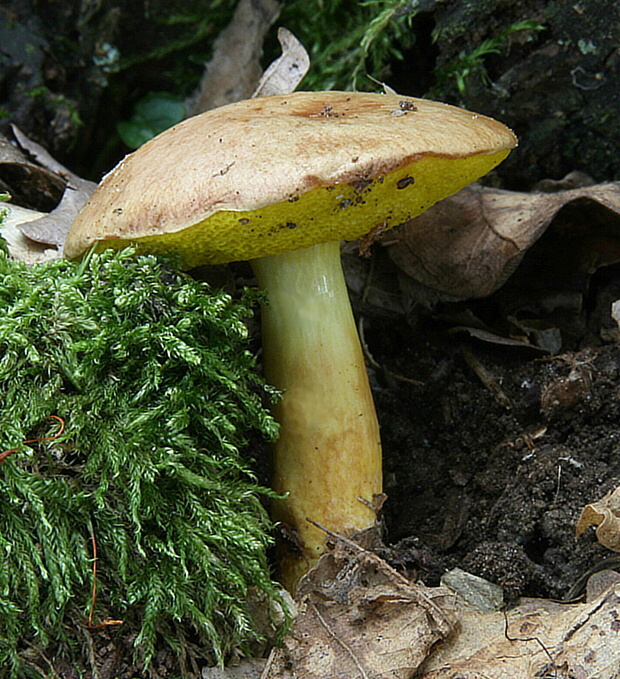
[
  {"x": 20, "y": 247},
  {"x": 34, "y": 186},
  {"x": 359, "y": 618},
  {"x": 288, "y": 70},
  {"x": 615, "y": 312},
  {"x": 467, "y": 246},
  {"x": 234, "y": 70},
  {"x": 605, "y": 514},
  {"x": 538, "y": 638},
  {"x": 83, "y": 187},
  {"x": 52, "y": 228},
  {"x": 493, "y": 338}
]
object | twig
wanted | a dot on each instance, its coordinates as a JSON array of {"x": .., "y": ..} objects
[
  {"x": 378, "y": 366},
  {"x": 539, "y": 642},
  {"x": 487, "y": 379},
  {"x": 385, "y": 567}
]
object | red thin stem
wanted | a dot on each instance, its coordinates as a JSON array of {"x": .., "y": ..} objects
[
  {"x": 6, "y": 453},
  {"x": 106, "y": 622}
]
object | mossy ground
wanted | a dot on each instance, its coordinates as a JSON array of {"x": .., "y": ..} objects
[{"x": 150, "y": 373}]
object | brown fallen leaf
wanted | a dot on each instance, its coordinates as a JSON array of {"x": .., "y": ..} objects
[
  {"x": 468, "y": 245},
  {"x": 492, "y": 338},
  {"x": 605, "y": 514},
  {"x": 234, "y": 69},
  {"x": 20, "y": 247},
  {"x": 285, "y": 73},
  {"x": 538, "y": 638},
  {"x": 359, "y": 618},
  {"x": 52, "y": 228},
  {"x": 35, "y": 186}
]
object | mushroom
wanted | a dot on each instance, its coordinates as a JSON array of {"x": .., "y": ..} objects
[{"x": 280, "y": 181}]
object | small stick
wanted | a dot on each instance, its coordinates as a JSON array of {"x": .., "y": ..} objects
[
  {"x": 540, "y": 643},
  {"x": 373, "y": 362},
  {"x": 487, "y": 379}
]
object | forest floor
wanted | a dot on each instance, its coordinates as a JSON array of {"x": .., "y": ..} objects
[
  {"x": 491, "y": 452},
  {"x": 490, "y": 462}
]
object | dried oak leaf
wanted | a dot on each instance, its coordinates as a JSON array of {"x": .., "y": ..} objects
[
  {"x": 538, "y": 638},
  {"x": 467, "y": 245},
  {"x": 359, "y": 618},
  {"x": 52, "y": 228},
  {"x": 22, "y": 248},
  {"x": 33, "y": 185},
  {"x": 234, "y": 69},
  {"x": 605, "y": 514}
]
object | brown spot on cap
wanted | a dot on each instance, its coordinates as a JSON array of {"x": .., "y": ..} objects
[
  {"x": 405, "y": 182},
  {"x": 360, "y": 184}
]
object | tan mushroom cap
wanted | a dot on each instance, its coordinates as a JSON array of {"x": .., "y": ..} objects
[{"x": 278, "y": 173}]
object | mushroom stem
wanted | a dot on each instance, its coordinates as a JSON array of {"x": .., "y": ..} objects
[{"x": 328, "y": 454}]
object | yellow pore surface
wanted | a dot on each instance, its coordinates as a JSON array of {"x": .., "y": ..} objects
[{"x": 323, "y": 214}]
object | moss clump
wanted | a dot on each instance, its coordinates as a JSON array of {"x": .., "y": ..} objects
[
  {"x": 151, "y": 374},
  {"x": 348, "y": 39}
]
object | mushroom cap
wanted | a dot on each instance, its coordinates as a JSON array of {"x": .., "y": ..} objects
[{"x": 267, "y": 175}]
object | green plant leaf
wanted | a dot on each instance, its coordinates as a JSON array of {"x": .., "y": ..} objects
[{"x": 153, "y": 114}]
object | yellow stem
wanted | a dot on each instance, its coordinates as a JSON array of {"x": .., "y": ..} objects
[{"x": 328, "y": 454}]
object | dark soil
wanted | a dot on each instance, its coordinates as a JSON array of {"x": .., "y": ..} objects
[{"x": 490, "y": 461}]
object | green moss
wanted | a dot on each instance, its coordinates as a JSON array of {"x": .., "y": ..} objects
[
  {"x": 348, "y": 40},
  {"x": 151, "y": 374},
  {"x": 468, "y": 63}
]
